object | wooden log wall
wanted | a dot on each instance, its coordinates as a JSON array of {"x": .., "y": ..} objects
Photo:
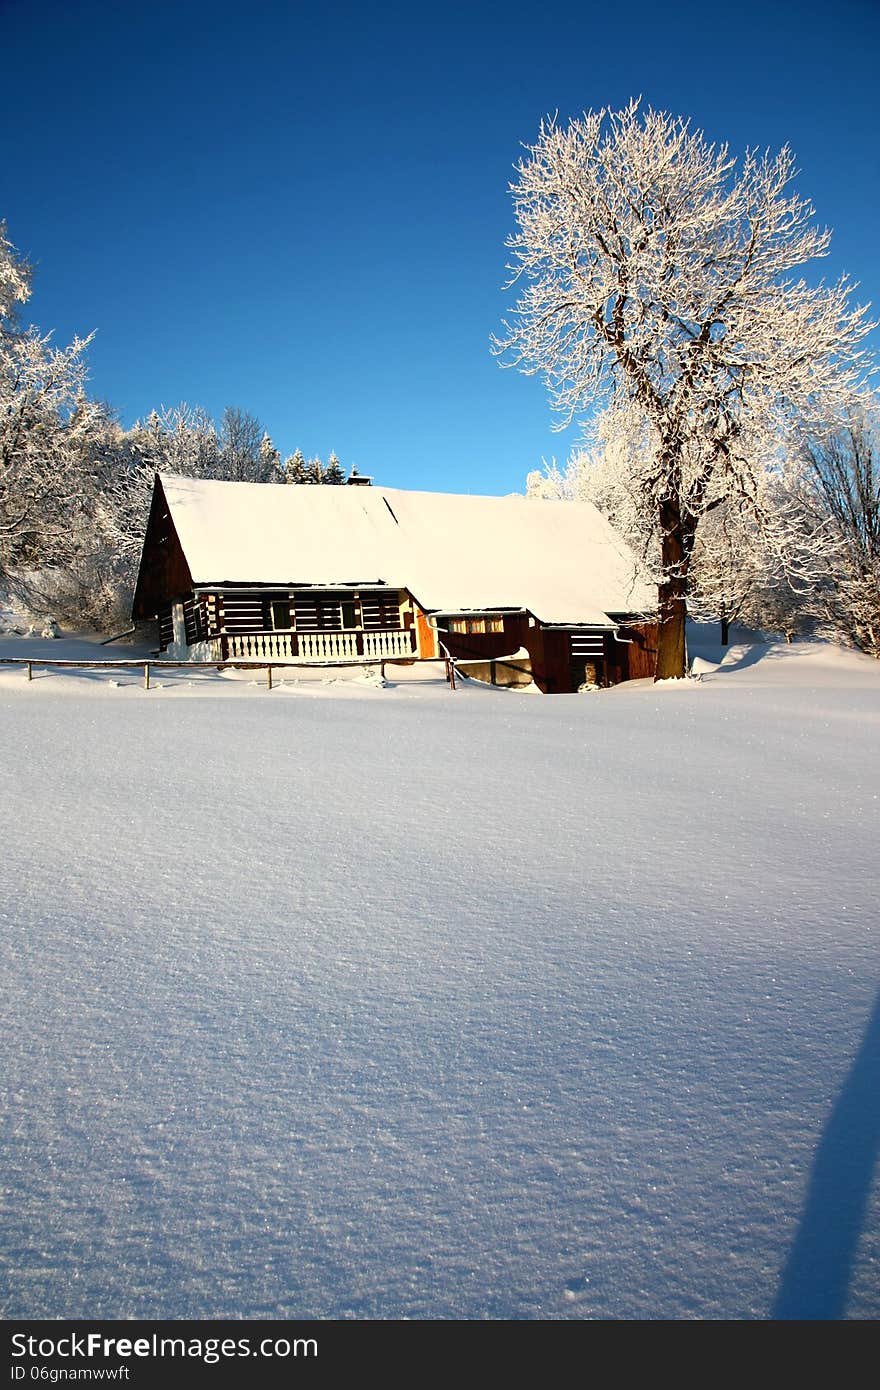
[
  {"x": 195, "y": 618},
  {"x": 312, "y": 610},
  {"x": 381, "y": 610},
  {"x": 240, "y": 612},
  {"x": 638, "y": 656},
  {"x": 166, "y": 627}
]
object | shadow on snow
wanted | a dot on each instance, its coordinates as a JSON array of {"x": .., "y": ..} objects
[{"x": 816, "y": 1277}]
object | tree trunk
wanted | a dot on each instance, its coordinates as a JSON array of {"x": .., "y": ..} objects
[
  {"x": 671, "y": 646},
  {"x": 675, "y": 558},
  {"x": 725, "y": 631}
]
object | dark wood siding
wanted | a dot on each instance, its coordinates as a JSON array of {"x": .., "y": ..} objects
[
  {"x": 556, "y": 673},
  {"x": 636, "y": 658},
  {"x": 311, "y": 610},
  {"x": 305, "y": 609},
  {"x": 474, "y": 645},
  {"x": 164, "y": 574},
  {"x": 381, "y": 610},
  {"x": 241, "y": 612},
  {"x": 587, "y": 659},
  {"x": 562, "y": 658},
  {"x": 166, "y": 627}
]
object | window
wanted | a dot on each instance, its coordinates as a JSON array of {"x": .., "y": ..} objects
[
  {"x": 279, "y": 614},
  {"x": 492, "y": 622}
]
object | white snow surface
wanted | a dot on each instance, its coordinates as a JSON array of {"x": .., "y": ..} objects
[
  {"x": 560, "y": 560},
  {"x": 359, "y": 1002}
]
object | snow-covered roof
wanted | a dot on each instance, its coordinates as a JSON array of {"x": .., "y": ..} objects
[{"x": 560, "y": 560}]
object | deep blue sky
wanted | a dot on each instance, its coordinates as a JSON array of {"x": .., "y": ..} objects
[{"x": 302, "y": 211}]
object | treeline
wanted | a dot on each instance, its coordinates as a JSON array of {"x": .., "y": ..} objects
[{"x": 75, "y": 486}]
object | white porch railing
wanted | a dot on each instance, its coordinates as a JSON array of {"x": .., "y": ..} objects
[
  {"x": 396, "y": 643},
  {"x": 315, "y": 646},
  {"x": 249, "y": 645},
  {"x": 318, "y": 646}
]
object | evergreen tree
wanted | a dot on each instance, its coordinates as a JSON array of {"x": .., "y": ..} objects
[
  {"x": 270, "y": 462},
  {"x": 297, "y": 470},
  {"x": 295, "y": 467},
  {"x": 333, "y": 473}
]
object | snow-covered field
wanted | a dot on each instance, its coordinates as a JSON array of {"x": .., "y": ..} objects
[{"x": 340, "y": 1001}]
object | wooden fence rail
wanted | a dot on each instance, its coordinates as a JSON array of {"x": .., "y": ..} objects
[{"x": 147, "y": 666}]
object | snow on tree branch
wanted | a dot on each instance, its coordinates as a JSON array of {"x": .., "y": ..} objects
[{"x": 659, "y": 279}]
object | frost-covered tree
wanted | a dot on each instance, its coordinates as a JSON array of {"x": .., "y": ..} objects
[
  {"x": 181, "y": 439},
  {"x": 15, "y": 280},
  {"x": 737, "y": 577},
  {"x": 178, "y": 439},
  {"x": 295, "y": 467},
  {"x": 661, "y": 280},
  {"x": 72, "y": 571},
  {"x": 46, "y": 423},
  {"x": 842, "y": 484},
  {"x": 763, "y": 575},
  {"x": 241, "y": 437}
]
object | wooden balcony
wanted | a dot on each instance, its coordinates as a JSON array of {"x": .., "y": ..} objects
[{"x": 318, "y": 647}]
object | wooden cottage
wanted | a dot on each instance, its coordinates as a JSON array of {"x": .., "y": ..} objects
[{"x": 513, "y": 589}]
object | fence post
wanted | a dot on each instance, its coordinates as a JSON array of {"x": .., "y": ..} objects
[
  {"x": 30, "y": 667},
  {"x": 269, "y": 677},
  {"x": 146, "y": 675}
]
